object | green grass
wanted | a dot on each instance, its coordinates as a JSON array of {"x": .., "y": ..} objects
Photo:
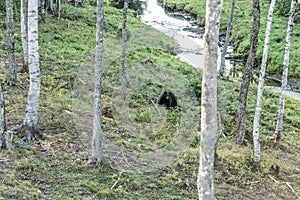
[
  {"x": 54, "y": 166},
  {"x": 241, "y": 28}
]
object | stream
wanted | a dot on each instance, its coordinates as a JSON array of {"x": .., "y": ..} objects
[
  {"x": 190, "y": 39},
  {"x": 185, "y": 32}
]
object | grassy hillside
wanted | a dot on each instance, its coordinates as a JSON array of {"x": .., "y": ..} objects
[
  {"x": 241, "y": 28},
  {"x": 54, "y": 165}
]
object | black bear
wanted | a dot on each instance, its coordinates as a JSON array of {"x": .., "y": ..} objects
[{"x": 169, "y": 99}]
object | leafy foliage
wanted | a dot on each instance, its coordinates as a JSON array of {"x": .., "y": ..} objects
[
  {"x": 136, "y": 5},
  {"x": 283, "y": 8},
  {"x": 242, "y": 24},
  {"x": 2, "y": 7}
]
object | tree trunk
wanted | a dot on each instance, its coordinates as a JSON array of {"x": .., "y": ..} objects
[
  {"x": 241, "y": 115},
  {"x": 222, "y": 65},
  {"x": 50, "y": 6},
  {"x": 124, "y": 38},
  {"x": 209, "y": 121},
  {"x": 43, "y": 10},
  {"x": 31, "y": 119},
  {"x": 97, "y": 154},
  {"x": 6, "y": 136},
  {"x": 2, "y": 120},
  {"x": 24, "y": 32},
  {"x": 12, "y": 75},
  {"x": 256, "y": 134},
  {"x": 286, "y": 61},
  {"x": 58, "y": 8}
]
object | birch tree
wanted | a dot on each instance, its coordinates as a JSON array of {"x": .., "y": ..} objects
[
  {"x": 50, "y": 6},
  {"x": 97, "y": 154},
  {"x": 222, "y": 65},
  {"x": 2, "y": 120},
  {"x": 43, "y": 10},
  {"x": 124, "y": 38},
  {"x": 12, "y": 75},
  {"x": 58, "y": 8},
  {"x": 286, "y": 61},
  {"x": 24, "y": 32},
  {"x": 241, "y": 114},
  {"x": 31, "y": 118},
  {"x": 209, "y": 121},
  {"x": 262, "y": 73},
  {"x": 5, "y": 135}
]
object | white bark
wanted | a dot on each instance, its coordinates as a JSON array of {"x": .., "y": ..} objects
[
  {"x": 256, "y": 134},
  {"x": 6, "y": 136},
  {"x": 222, "y": 65},
  {"x": 286, "y": 62},
  {"x": 12, "y": 75},
  {"x": 31, "y": 118},
  {"x": 124, "y": 38},
  {"x": 209, "y": 121},
  {"x": 97, "y": 130},
  {"x": 2, "y": 119},
  {"x": 24, "y": 31}
]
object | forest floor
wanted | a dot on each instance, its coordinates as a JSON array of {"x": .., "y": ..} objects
[{"x": 54, "y": 165}]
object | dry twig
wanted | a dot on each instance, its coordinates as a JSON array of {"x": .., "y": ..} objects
[
  {"x": 292, "y": 189},
  {"x": 273, "y": 179},
  {"x": 156, "y": 107},
  {"x": 252, "y": 182},
  {"x": 114, "y": 185}
]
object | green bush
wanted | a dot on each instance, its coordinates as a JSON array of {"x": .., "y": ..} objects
[{"x": 2, "y": 7}]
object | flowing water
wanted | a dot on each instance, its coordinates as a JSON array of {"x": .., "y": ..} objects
[
  {"x": 186, "y": 32},
  {"x": 190, "y": 39}
]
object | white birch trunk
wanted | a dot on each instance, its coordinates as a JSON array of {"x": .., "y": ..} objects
[
  {"x": 24, "y": 31},
  {"x": 97, "y": 130},
  {"x": 286, "y": 62},
  {"x": 124, "y": 38},
  {"x": 12, "y": 75},
  {"x": 6, "y": 136},
  {"x": 222, "y": 65},
  {"x": 209, "y": 121},
  {"x": 256, "y": 134},
  {"x": 2, "y": 120},
  {"x": 31, "y": 118}
]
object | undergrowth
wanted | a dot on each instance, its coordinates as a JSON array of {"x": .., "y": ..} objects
[{"x": 54, "y": 166}]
